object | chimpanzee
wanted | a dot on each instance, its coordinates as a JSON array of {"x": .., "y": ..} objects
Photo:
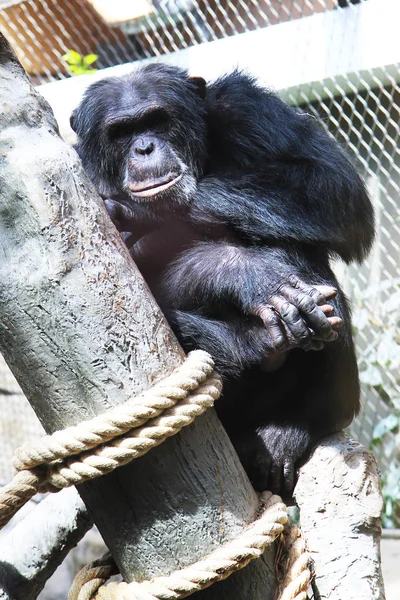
[{"x": 234, "y": 203}]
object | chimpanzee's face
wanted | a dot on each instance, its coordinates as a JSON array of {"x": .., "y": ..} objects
[
  {"x": 143, "y": 135},
  {"x": 152, "y": 161}
]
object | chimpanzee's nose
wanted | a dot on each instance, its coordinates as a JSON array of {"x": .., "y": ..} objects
[{"x": 144, "y": 146}]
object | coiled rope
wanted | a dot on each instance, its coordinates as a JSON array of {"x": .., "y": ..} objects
[
  {"x": 116, "y": 437},
  {"x": 218, "y": 565},
  {"x": 294, "y": 565}
]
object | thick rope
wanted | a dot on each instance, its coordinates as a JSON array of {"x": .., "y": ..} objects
[
  {"x": 116, "y": 437},
  {"x": 295, "y": 566},
  {"x": 218, "y": 565},
  {"x": 89, "y": 579}
]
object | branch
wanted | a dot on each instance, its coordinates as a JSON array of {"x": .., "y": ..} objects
[
  {"x": 340, "y": 502},
  {"x": 36, "y": 546}
]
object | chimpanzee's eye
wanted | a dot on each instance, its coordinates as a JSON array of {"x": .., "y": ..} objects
[
  {"x": 122, "y": 129},
  {"x": 155, "y": 119}
]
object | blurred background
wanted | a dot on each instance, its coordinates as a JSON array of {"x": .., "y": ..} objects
[{"x": 338, "y": 59}]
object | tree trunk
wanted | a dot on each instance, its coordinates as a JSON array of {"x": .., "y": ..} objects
[
  {"x": 81, "y": 332},
  {"x": 340, "y": 501}
]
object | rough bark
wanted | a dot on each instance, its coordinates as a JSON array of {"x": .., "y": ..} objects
[
  {"x": 81, "y": 332},
  {"x": 340, "y": 501},
  {"x": 36, "y": 546}
]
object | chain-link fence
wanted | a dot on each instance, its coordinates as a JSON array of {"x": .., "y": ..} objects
[
  {"x": 361, "y": 109},
  {"x": 42, "y": 31}
]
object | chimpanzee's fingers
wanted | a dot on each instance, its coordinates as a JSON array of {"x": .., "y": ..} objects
[
  {"x": 273, "y": 326},
  {"x": 290, "y": 314},
  {"x": 128, "y": 238},
  {"x": 327, "y": 309},
  {"x": 327, "y": 291},
  {"x": 282, "y": 337},
  {"x": 311, "y": 313},
  {"x": 319, "y": 293},
  {"x": 288, "y": 474},
  {"x": 335, "y": 322},
  {"x": 275, "y": 478},
  {"x": 112, "y": 209},
  {"x": 125, "y": 235},
  {"x": 119, "y": 213}
]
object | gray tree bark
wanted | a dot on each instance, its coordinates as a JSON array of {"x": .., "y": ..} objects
[
  {"x": 81, "y": 332},
  {"x": 32, "y": 550},
  {"x": 339, "y": 496}
]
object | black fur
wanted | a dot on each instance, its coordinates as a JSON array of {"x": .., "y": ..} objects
[{"x": 232, "y": 251}]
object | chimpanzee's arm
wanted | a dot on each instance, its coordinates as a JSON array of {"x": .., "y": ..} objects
[
  {"x": 267, "y": 208},
  {"x": 263, "y": 285},
  {"x": 276, "y": 174},
  {"x": 235, "y": 345}
]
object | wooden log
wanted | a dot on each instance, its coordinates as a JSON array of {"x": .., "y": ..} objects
[
  {"x": 32, "y": 550},
  {"x": 81, "y": 332},
  {"x": 340, "y": 501}
]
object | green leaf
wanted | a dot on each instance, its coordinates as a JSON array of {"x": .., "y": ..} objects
[
  {"x": 72, "y": 57},
  {"x": 383, "y": 394},
  {"x": 89, "y": 59},
  {"x": 79, "y": 70}
]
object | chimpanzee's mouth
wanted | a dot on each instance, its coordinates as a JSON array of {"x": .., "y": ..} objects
[{"x": 146, "y": 189}]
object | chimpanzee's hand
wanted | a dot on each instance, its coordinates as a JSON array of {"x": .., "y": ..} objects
[
  {"x": 133, "y": 221},
  {"x": 123, "y": 218},
  {"x": 299, "y": 315},
  {"x": 272, "y": 454}
]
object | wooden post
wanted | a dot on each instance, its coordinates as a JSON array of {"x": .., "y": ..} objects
[
  {"x": 340, "y": 501},
  {"x": 81, "y": 332}
]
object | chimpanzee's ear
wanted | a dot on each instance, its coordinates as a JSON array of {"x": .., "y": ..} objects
[
  {"x": 200, "y": 84},
  {"x": 72, "y": 120}
]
